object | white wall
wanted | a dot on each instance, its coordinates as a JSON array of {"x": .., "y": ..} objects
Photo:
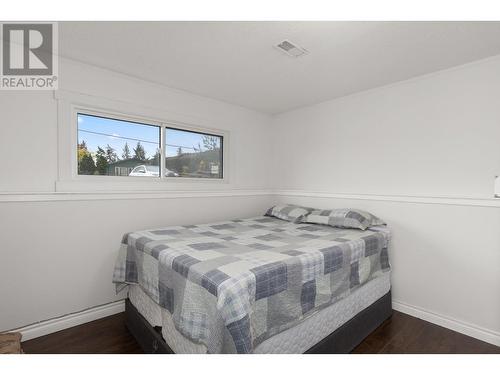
[
  {"x": 28, "y": 141},
  {"x": 58, "y": 251},
  {"x": 433, "y": 136}
]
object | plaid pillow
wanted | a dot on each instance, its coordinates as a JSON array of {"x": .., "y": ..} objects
[
  {"x": 289, "y": 212},
  {"x": 344, "y": 218}
]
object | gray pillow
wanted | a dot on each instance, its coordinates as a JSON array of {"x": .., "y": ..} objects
[
  {"x": 344, "y": 218},
  {"x": 289, "y": 212}
]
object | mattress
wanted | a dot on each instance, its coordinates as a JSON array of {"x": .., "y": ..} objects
[{"x": 294, "y": 340}]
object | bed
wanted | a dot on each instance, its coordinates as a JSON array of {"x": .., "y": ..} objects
[{"x": 257, "y": 285}]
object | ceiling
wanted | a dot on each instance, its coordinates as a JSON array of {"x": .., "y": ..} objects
[{"x": 236, "y": 62}]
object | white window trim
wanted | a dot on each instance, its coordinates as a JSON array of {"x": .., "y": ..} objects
[
  {"x": 187, "y": 127},
  {"x": 69, "y": 105}
]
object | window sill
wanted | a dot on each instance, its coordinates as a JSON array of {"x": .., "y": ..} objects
[{"x": 111, "y": 184}]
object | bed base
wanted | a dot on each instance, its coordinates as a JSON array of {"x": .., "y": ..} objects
[{"x": 343, "y": 340}]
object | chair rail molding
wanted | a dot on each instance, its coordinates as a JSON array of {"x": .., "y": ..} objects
[
  {"x": 421, "y": 199},
  {"x": 192, "y": 193},
  {"x": 109, "y": 195}
]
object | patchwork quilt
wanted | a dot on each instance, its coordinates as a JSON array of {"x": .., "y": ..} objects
[{"x": 231, "y": 285}]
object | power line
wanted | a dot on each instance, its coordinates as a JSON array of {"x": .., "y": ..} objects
[
  {"x": 133, "y": 139},
  {"x": 117, "y": 136}
]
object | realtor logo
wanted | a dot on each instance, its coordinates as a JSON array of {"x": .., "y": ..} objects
[{"x": 29, "y": 56}]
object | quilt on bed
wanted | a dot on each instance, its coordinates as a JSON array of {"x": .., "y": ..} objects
[{"x": 233, "y": 284}]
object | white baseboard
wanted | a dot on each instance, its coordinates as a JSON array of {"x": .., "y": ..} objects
[
  {"x": 71, "y": 320},
  {"x": 479, "y": 333}
]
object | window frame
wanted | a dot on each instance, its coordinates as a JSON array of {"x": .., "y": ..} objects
[
  {"x": 76, "y": 110},
  {"x": 222, "y": 147},
  {"x": 136, "y": 182}
]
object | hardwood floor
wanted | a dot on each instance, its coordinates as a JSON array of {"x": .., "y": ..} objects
[
  {"x": 404, "y": 334},
  {"x": 400, "y": 334},
  {"x": 104, "y": 336}
]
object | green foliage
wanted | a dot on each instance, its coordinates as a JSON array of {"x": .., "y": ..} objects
[
  {"x": 82, "y": 150},
  {"x": 210, "y": 142},
  {"x": 100, "y": 152},
  {"x": 111, "y": 155},
  {"x": 101, "y": 161},
  {"x": 82, "y": 146},
  {"x": 126, "y": 152},
  {"x": 85, "y": 162},
  {"x": 139, "y": 152},
  {"x": 86, "y": 165},
  {"x": 155, "y": 160}
]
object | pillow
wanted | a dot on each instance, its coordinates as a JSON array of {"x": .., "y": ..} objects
[
  {"x": 289, "y": 212},
  {"x": 344, "y": 218}
]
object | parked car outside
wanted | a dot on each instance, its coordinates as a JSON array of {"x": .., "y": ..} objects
[{"x": 150, "y": 171}]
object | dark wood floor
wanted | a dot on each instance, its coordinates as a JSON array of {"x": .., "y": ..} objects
[{"x": 400, "y": 334}]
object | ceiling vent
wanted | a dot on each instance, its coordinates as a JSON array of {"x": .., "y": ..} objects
[{"x": 291, "y": 49}]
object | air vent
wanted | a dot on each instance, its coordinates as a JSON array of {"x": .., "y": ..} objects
[{"x": 291, "y": 49}]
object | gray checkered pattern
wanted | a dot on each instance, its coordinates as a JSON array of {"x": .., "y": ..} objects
[
  {"x": 344, "y": 218},
  {"x": 194, "y": 324},
  {"x": 289, "y": 212},
  {"x": 248, "y": 279}
]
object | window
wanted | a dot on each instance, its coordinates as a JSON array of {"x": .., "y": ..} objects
[
  {"x": 192, "y": 154},
  {"x": 113, "y": 146}
]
